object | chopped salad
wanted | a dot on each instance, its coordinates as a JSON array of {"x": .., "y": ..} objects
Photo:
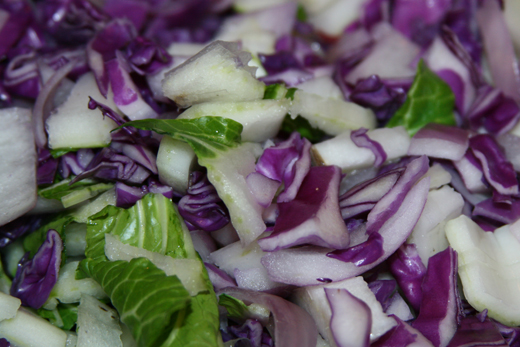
[{"x": 272, "y": 174}]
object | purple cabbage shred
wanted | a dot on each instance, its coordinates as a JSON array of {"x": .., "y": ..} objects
[
  {"x": 201, "y": 207},
  {"x": 36, "y": 277}
]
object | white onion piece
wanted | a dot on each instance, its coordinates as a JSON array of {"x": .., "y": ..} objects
[
  {"x": 348, "y": 329},
  {"x": 499, "y": 49},
  {"x": 293, "y": 326},
  {"x": 98, "y": 324},
  {"x": 440, "y": 141},
  {"x": 17, "y": 164},
  {"x": 310, "y": 265}
]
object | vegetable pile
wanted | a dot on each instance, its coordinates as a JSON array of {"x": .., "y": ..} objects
[{"x": 338, "y": 173}]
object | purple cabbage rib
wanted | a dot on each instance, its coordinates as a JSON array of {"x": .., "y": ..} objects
[
  {"x": 439, "y": 309},
  {"x": 201, "y": 207},
  {"x": 313, "y": 216},
  {"x": 409, "y": 271},
  {"x": 36, "y": 277},
  {"x": 498, "y": 171},
  {"x": 287, "y": 162}
]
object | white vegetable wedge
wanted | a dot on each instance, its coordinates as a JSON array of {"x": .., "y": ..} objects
[
  {"x": 40, "y": 334},
  {"x": 314, "y": 301},
  {"x": 8, "y": 306},
  {"x": 74, "y": 125},
  {"x": 428, "y": 234},
  {"x": 175, "y": 161},
  {"x": 17, "y": 164},
  {"x": 98, "y": 324},
  {"x": 331, "y": 115},
  {"x": 187, "y": 270},
  {"x": 228, "y": 172},
  {"x": 343, "y": 152},
  {"x": 219, "y": 72},
  {"x": 261, "y": 119},
  {"x": 489, "y": 264},
  {"x": 69, "y": 290}
]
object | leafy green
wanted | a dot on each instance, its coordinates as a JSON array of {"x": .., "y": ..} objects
[
  {"x": 58, "y": 222},
  {"x": 301, "y": 14},
  {"x": 429, "y": 100},
  {"x": 148, "y": 224},
  {"x": 275, "y": 91},
  {"x": 155, "y": 225},
  {"x": 64, "y": 316},
  {"x": 72, "y": 194},
  {"x": 5, "y": 281},
  {"x": 236, "y": 309},
  {"x": 206, "y": 135},
  {"x": 290, "y": 93},
  {"x": 302, "y": 126},
  {"x": 56, "y": 153}
]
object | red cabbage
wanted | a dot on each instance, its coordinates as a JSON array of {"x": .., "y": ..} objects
[
  {"x": 292, "y": 325},
  {"x": 402, "y": 335},
  {"x": 4, "y": 343},
  {"x": 102, "y": 48},
  {"x": 383, "y": 99},
  {"x": 108, "y": 165},
  {"x": 19, "y": 18},
  {"x": 201, "y": 207},
  {"x": 136, "y": 11},
  {"x": 361, "y": 139},
  {"x": 364, "y": 196},
  {"x": 439, "y": 308},
  {"x": 474, "y": 332},
  {"x": 18, "y": 228},
  {"x": 493, "y": 110},
  {"x": 383, "y": 291},
  {"x": 36, "y": 277},
  {"x": 70, "y": 22},
  {"x": 287, "y": 162},
  {"x": 419, "y": 20},
  {"x": 146, "y": 57},
  {"x": 390, "y": 203},
  {"x": 47, "y": 167},
  {"x": 440, "y": 141},
  {"x": 408, "y": 269},
  {"x": 21, "y": 76},
  {"x": 251, "y": 330},
  {"x": 313, "y": 217},
  {"x": 499, "y": 172}
]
